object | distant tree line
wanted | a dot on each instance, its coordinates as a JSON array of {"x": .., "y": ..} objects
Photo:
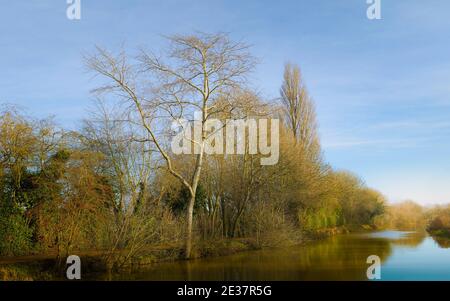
[{"x": 409, "y": 215}]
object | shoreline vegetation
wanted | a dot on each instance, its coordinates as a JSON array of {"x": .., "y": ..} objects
[
  {"x": 114, "y": 190},
  {"x": 47, "y": 266}
]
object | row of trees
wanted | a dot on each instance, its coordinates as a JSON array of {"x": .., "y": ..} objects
[
  {"x": 409, "y": 215},
  {"x": 116, "y": 186},
  {"x": 406, "y": 215}
]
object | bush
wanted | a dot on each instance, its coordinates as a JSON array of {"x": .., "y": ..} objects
[
  {"x": 15, "y": 233},
  {"x": 269, "y": 227}
]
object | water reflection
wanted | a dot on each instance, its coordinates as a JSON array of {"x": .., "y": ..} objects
[
  {"x": 404, "y": 256},
  {"x": 399, "y": 238},
  {"x": 442, "y": 242},
  {"x": 427, "y": 260}
]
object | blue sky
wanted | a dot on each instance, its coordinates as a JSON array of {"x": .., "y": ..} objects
[{"x": 381, "y": 87}]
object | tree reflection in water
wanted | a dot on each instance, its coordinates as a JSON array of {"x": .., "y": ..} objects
[{"x": 341, "y": 257}]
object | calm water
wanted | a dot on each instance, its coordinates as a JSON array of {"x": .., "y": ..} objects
[{"x": 404, "y": 256}]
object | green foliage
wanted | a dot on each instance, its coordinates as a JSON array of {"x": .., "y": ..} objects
[
  {"x": 15, "y": 233},
  {"x": 317, "y": 219},
  {"x": 179, "y": 200},
  {"x": 439, "y": 222}
]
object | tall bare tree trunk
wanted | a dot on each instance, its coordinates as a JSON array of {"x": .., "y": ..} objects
[{"x": 190, "y": 213}]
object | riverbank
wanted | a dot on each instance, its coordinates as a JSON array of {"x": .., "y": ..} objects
[
  {"x": 441, "y": 236},
  {"x": 339, "y": 257},
  {"x": 47, "y": 267},
  {"x": 442, "y": 233}
]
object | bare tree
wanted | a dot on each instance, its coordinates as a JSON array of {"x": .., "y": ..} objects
[
  {"x": 198, "y": 71},
  {"x": 130, "y": 165},
  {"x": 299, "y": 109}
]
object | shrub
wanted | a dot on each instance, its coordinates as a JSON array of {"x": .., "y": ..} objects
[{"x": 15, "y": 233}]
